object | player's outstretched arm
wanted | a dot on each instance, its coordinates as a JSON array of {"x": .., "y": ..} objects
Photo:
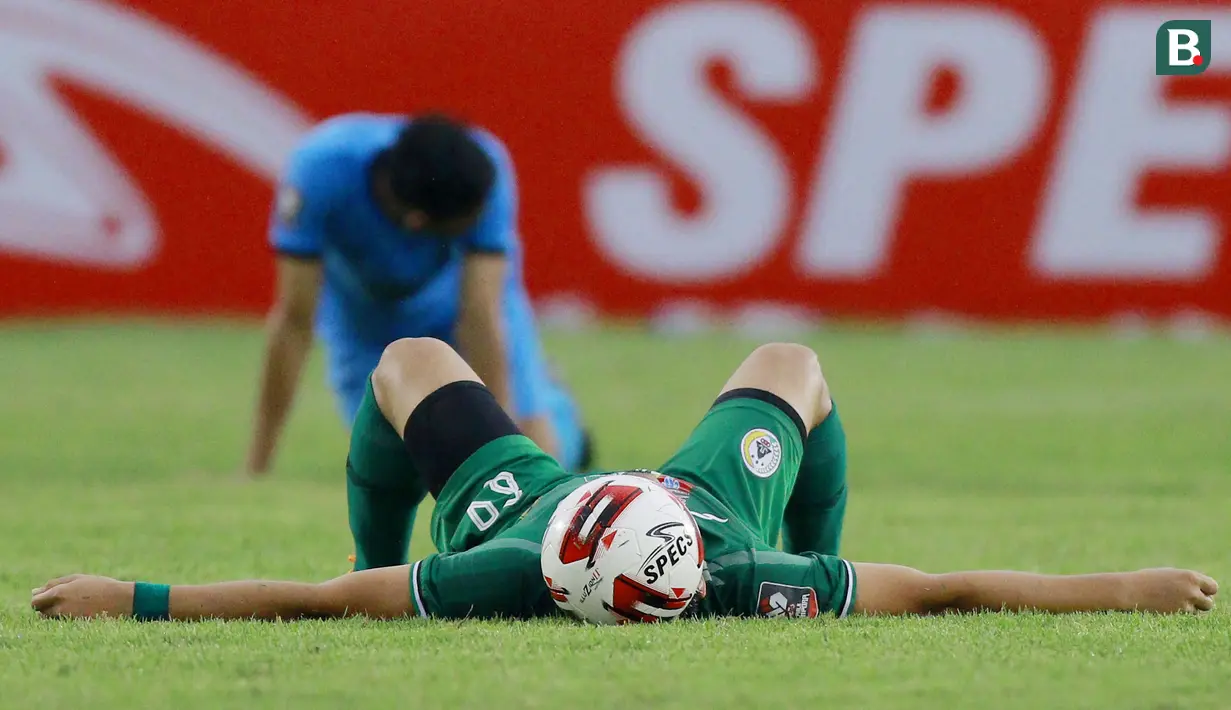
[
  {"x": 288, "y": 342},
  {"x": 382, "y": 593},
  {"x": 891, "y": 589}
]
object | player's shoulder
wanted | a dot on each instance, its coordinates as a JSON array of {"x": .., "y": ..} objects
[
  {"x": 345, "y": 144},
  {"x": 496, "y": 149},
  {"x": 352, "y": 133}
]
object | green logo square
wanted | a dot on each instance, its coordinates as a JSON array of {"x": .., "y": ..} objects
[{"x": 1182, "y": 47}]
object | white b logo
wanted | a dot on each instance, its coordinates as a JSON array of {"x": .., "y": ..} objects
[{"x": 1186, "y": 40}]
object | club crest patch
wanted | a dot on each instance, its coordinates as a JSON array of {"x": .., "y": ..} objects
[
  {"x": 762, "y": 452},
  {"x": 289, "y": 204},
  {"x": 787, "y": 601}
]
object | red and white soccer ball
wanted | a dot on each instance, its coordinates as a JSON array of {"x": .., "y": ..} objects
[{"x": 621, "y": 549}]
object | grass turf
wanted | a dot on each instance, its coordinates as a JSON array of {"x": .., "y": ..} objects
[{"x": 1062, "y": 452}]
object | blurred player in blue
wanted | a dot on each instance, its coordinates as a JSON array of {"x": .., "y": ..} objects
[{"x": 388, "y": 227}]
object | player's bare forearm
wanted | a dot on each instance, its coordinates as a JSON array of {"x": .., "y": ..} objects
[
  {"x": 481, "y": 339},
  {"x": 891, "y": 589},
  {"x": 379, "y": 593},
  {"x": 288, "y": 340},
  {"x": 287, "y": 346},
  {"x": 541, "y": 431},
  {"x": 88, "y": 597},
  {"x": 1024, "y": 591},
  {"x": 481, "y": 322},
  {"x": 247, "y": 600}
]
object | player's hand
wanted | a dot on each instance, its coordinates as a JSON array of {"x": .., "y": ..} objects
[
  {"x": 1170, "y": 591},
  {"x": 255, "y": 466},
  {"x": 83, "y": 596},
  {"x": 250, "y": 473}
]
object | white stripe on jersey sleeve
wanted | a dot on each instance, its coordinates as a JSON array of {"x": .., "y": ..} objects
[
  {"x": 414, "y": 588},
  {"x": 850, "y": 590}
]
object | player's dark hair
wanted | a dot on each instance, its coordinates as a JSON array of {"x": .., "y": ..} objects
[{"x": 437, "y": 166}]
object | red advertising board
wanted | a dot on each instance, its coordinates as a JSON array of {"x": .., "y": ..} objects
[{"x": 1015, "y": 159}]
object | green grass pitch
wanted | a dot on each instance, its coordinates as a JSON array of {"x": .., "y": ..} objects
[{"x": 1059, "y": 452}]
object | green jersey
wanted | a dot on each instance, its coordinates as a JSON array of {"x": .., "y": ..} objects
[{"x": 735, "y": 474}]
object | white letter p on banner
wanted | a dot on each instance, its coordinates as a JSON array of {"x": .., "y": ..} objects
[{"x": 881, "y": 135}]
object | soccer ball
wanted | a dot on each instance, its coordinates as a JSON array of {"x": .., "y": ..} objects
[{"x": 622, "y": 548}]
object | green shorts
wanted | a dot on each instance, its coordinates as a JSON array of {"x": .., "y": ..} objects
[
  {"x": 746, "y": 452},
  {"x": 492, "y": 490}
]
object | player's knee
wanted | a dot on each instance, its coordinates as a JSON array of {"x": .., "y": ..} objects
[
  {"x": 404, "y": 350},
  {"x": 788, "y": 356},
  {"x": 802, "y": 368},
  {"x": 407, "y": 358},
  {"x": 412, "y": 368}
]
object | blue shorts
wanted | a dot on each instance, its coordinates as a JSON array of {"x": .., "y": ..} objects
[{"x": 535, "y": 389}]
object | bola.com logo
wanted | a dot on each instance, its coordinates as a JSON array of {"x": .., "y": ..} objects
[{"x": 1183, "y": 47}]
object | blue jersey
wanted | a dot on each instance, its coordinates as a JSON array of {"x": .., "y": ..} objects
[{"x": 381, "y": 281}]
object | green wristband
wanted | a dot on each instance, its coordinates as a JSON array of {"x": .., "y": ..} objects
[{"x": 151, "y": 602}]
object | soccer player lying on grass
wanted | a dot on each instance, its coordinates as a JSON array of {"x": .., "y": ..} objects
[{"x": 695, "y": 538}]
